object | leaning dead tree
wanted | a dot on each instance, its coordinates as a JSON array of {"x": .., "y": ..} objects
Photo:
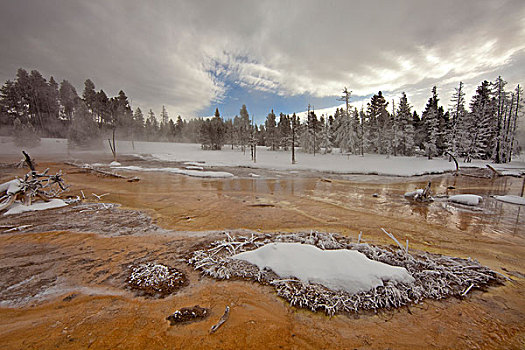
[
  {"x": 32, "y": 186},
  {"x": 436, "y": 276}
]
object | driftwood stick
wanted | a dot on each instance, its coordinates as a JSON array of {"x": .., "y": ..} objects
[
  {"x": 393, "y": 238},
  {"x": 221, "y": 321},
  {"x": 19, "y": 228},
  {"x": 28, "y": 161},
  {"x": 467, "y": 290}
]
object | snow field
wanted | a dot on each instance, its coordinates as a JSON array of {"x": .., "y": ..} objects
[{"x": 192, "y": 154}]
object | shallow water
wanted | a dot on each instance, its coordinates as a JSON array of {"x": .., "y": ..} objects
[{"x": 278, "y": 201}]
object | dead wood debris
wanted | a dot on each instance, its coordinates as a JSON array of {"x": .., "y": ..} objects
[
  {"x": 187, "y": 315},
  {"x": 90, "y": 168},
  {"x": 437, "y": 276},
  {"x": 223, "y": 319}
]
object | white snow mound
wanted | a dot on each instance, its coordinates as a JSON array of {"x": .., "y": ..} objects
[
  {"x": 412, "y": 194},
  {"x": 341, "y": 269},
  {"x": 18, "y": 208},
  {"x": 114, "y": 163},
  {"x": 466, "y": 199},
  {"x": 511, "y": 199}
]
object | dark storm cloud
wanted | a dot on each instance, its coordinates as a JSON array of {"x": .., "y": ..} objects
[{"x": 167, "y": 52}]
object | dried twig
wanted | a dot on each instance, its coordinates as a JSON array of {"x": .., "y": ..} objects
[
  {"x": 19, "y": 228},
  {"x": 99, "y": 196},
  {"x": 394, "y": 238}
]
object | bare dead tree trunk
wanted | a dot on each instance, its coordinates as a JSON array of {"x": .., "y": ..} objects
[
  {"x": 455, "y": 161},
  {"x": 293, "y": 140},
  {"x": 514, "y": 122},
  {"x": 113, "y": 147}
]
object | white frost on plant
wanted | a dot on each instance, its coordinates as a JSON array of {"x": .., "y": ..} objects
[
  {"x": 340, "y": 269},
  {"x": 466, "y": 199},
  {"x": 511, "y": 199},
  {"x": 151, "y": 275},
  {"x": 18, "y": 208},
  {"x": 194, "y": 173}
]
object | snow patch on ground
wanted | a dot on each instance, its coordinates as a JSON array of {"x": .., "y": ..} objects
[
  {"x": 511, "y": 199},
  {"x": 341, "y": 269},
  {"x": 114, "y": 163},
  {"x": 194, "y": 173},
  {"x": 193, "y": 167},
  {"x": 466, "y": 199},
  {"x": 18, "y": 208}
]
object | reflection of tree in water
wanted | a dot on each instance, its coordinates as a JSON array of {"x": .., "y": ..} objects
[
  {"x": 464, "y": 221},
  {"x": 271, "y": 186},
  {"x": 284, "y": 185},
  {"x": 517, "y": 225},
  {"x": 421, "y": 210}
]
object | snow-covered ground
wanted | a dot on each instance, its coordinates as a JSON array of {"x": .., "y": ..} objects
[
  {"x": 341, "y": 269},
  {"x": 511, "y": 199},
  {"x": 188, "y": 172},
  {"x": 18, "y": 208},
  {"x": 192, "y": 154}
]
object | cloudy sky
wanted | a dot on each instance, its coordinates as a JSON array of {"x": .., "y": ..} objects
[{"x": 193, "y": 56}]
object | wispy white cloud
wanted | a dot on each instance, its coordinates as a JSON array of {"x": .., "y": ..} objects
[{"x": 179, "y": 53}]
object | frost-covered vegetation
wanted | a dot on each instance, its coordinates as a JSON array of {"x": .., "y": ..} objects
[
  {"x": 431, "y": 275},
  {"x": 34, "y": 107},
  {"x": 155, "y": 279}
]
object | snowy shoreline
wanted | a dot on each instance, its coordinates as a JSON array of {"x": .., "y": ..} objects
[{"x": 335, "y": 163}]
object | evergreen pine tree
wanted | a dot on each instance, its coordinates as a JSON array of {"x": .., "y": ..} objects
[
  {"x": 431, "y": 122},
  {"x": 271, "y": 131},
  {"x": 458, "y": 123},
  {"x": 483, "y": 128},
  {"x": 404, "y": 128}
]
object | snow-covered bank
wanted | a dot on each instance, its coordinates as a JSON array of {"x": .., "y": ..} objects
[
  {"x": 511, "y": 199},
  {"x": 193, "y": 155},
  {"x": 18, "y": 208},
  {"x": 189, "y": 172},
  {"x": 342, "y": 269}
]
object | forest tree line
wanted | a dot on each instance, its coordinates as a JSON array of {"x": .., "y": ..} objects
[{"x": 32, "y": 107}]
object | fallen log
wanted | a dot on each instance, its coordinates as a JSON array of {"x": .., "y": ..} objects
[
  {"x": 476, "y": 176},
  {"x": 91, "y": 168}
]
